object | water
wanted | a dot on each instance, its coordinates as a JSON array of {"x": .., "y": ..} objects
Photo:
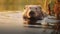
[{"x": 12, "y": 23}]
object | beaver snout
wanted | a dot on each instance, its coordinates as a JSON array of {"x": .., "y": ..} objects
[{"x": 32, "y": 14}]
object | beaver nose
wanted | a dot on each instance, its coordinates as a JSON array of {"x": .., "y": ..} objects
[{"x": 32, "y": 13}]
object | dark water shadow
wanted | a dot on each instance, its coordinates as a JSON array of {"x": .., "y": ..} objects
[
  {"x": 40, "y": 26},
  {"x": 32, "y": 26}
]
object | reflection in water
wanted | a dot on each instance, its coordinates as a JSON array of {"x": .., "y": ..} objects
[
  {"x": 55, "y": 32},
  {"x": 57, "y": 28}
]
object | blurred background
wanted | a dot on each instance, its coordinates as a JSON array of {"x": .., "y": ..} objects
[{"x": 17, "y": 5}]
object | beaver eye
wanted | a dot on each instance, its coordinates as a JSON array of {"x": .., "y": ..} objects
[
  {"x": 36, "y": 8},
  {"x": 30, "y": 7}
]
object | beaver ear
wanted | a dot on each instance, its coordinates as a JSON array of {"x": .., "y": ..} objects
[
  {"x": 24, "y": 8},
  {"x": 58, "y": 0},
  {"x": 40, "y": 7}
]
